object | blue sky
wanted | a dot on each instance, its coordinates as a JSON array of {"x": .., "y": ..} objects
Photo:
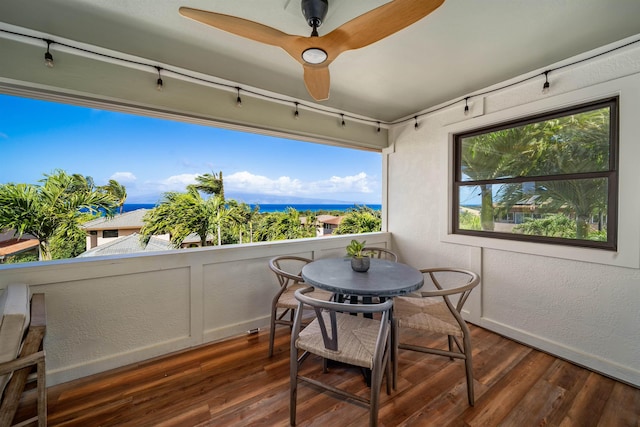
[{"x": 151, "y": 156}]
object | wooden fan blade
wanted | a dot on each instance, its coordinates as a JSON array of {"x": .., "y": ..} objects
[
  {"x": 317, "y": 81},
  {"x": 378, "y": 23},
  {"x": 239, "y": 27}
]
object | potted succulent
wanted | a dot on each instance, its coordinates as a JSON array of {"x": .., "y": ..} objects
[{"x": 360, "y": 261}]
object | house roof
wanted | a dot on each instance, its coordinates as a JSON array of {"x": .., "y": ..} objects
[
  {"x": 130, "y": 220},
  {"x": 127, "y": 245},
  {"x": 195, "y": 238},
  {"x": 335, "y": 220},
  {"x": 325, "y": 218},
  {"x": 11, "y": 235},
  {"x": 14, "y": 246}
]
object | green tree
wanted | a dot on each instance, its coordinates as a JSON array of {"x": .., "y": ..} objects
[
  {"x": 362, "y": 219},
  {"x": 179, "y": 215},
  {"x": 244, "y": 220},
  {"x": 469, "y": 220},
  {"x": 55, "y": 207},
  {"x": 503, "y": 153},
  {"x": 20, "y": 258},
  {"x": 182, "y": 214},
  {"x": 553, "y": 226},
  {"x": 224, "y": 215},
  {"x": 283, "y": 226},
  {"x": 117, "y": 191},
  {"x": 573, "y": 144},
  {"x": 72, "y": 242},
  {"x": 583, "y": 147}
]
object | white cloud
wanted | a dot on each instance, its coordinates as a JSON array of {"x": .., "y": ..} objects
[
  {"x": 178, "y": 182},
  {"x": 353, "y": 187},
  {"x": 359, "y": 183},
  {"x": 4, "y": 135},
  {"x": 123, "y": 177},
  {"x": 248, "y": 182}
]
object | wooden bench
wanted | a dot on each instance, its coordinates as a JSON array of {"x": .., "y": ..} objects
[{"x": 31, "y": 357}]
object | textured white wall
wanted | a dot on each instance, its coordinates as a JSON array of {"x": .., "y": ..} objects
[{"x": 581, "y": 304}]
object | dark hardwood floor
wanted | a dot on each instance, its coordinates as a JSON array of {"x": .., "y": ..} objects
[{"x": 234, "y": 383}]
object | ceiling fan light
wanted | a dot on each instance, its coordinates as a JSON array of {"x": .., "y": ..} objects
[{"x": 314, "y": 55}]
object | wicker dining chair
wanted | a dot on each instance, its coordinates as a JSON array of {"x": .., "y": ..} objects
[
  {"x": 287, "y": 270},
  {"x": 337, "y": 335},
  {"x": 380, "y": 253},
  {"x": 438, "y": 311}
]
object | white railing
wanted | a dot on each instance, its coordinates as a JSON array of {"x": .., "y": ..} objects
[{"x": 111, "y": 311}]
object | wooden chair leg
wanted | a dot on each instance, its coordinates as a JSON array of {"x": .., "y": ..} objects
[
  {"x": 395, "y": 336},
  {"x": 42, "y": 393},
  {"x": 272, "y": 330},
  {"x": 468, "y": 364}
]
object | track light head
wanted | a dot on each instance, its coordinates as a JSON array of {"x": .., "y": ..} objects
[
  {"x": 546, "y": 85},
  {"x": 159, "y": 82},
  {"x": 48, "y": 57},
  {"x": 238, "y": 99}
]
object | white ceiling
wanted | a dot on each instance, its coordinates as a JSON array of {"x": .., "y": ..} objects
[{"x": 462, "y": 47}]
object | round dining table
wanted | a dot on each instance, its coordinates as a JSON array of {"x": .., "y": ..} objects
[{"x": 384, "y": 278}]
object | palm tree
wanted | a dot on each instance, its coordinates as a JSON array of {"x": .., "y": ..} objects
[
  {"x": 573, "y": 144},
  {"x": 503, "y": 153},
  {"x": 54, "y": 208},
  {"x": 117, "y": 190},
  {"x": 179, "y": 214},
  {"x": 209, "y": 183},
  {"x": 223, "y": 215},
  {"x": 586, "y": 137},
  {"x": 243, "y": 219},
  {"x": 182, "y": 214}
]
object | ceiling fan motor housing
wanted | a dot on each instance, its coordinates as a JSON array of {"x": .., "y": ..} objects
[{"x": 315, "y": 11}]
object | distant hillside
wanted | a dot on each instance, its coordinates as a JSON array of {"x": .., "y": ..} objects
[
  {"x": 251, "y": 198},
  {"x": 270, "y": 199}
]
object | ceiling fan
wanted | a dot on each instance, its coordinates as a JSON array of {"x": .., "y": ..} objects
[{"x": 316, "y": 52}]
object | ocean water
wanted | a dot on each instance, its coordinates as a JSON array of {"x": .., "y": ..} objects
[{"x": 273, "y": 207}]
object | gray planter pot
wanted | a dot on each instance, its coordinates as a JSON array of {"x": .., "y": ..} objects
[{"x": 360, "y": 264}]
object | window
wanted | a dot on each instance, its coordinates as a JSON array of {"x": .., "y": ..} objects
[
  {"x": 550, "y": 178},
  {"x": 109, "y": 233}
]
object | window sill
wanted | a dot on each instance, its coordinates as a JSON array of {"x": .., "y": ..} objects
[{"x": 592, "y": 255}]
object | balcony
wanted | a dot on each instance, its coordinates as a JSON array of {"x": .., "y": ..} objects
[
  {"x": 579, "y": 304},
  {"x": 112, "y": 311},
  {"x": 163, "y": 339}
]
